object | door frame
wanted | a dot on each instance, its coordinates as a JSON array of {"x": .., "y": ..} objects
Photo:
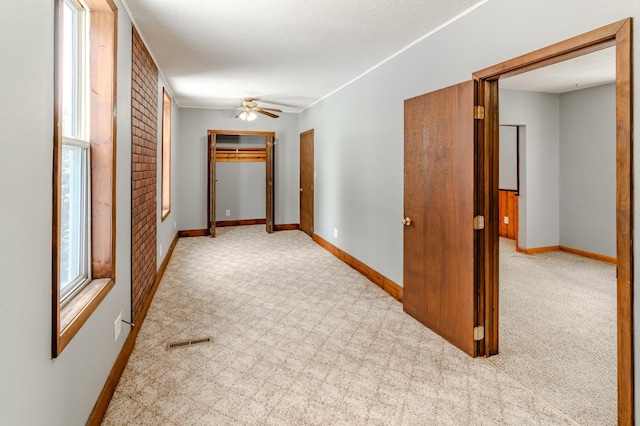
[
  {"x": 618, "y": 34},
  {"x": 311, "y": 132},
  {"x": 270, "y": 138}
]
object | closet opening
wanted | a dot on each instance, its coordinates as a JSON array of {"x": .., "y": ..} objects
[{"x": 239, "y": 164}]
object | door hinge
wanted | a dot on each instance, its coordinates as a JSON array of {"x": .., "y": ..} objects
[
  {"x": 478, "y": 222},
  {"x": 478, "y": 333},
  {"x": 478, "y": 112}
]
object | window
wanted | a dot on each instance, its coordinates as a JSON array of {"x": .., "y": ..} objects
[
  {"x": 166, "y": 154},
  {"x": 75, "y": 270},
  {"x": 84, "y": 162}
]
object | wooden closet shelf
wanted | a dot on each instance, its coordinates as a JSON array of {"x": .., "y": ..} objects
[{"x": 241, "y": 154}]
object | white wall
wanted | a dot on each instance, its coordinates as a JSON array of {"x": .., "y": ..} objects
[
  {"x": 363, "y": 194},
  {"x": 167, "y": 228},
  {"x": 192, "y": 162},
  {"x": 588, "y": 170},
  {"x": 34, "y": 389},
  {"x": 539, "y": 200}
]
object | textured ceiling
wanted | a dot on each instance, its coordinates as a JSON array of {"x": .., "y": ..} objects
[
  {"x": 579, "y": 73},
  {"x": 290, "y": 53}
]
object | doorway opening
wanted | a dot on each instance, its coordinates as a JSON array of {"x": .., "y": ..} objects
[
  {"x": 226, "y": 147},
  {"x": 619, "y": 36},
  {"x": 564, "y": 115}
]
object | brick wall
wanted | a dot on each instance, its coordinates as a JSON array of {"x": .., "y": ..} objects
[{"x": 144, "y": 137}]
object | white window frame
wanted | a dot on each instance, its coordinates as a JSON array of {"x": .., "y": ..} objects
[
  {"x": 84, "y": 240},
  {"x": 79, "y": 138}
]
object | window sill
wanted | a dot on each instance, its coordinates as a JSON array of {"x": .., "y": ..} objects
[{"x": 75, "y": 313}]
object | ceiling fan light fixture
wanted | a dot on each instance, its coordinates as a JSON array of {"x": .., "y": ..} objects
[{"x": 247, "y": 116}]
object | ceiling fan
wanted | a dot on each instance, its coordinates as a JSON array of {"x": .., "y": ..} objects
[{"x": 249, "y": 107}]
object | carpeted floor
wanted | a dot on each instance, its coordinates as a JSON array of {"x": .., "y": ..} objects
[
  {"x": 558, "y": 330},
  {"x": 299, "y": 338}
]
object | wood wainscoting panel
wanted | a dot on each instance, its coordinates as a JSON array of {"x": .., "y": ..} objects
[{"x": 508, "y": 208}]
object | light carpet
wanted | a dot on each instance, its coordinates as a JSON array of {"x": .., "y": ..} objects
[
  {"x": 558, "y": 330},
  {"x": 300, "y": 338}
]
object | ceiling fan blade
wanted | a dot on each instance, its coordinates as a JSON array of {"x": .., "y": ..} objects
[
  {"x": 261, "y": 111},
  {"x": 271, "y": 109}
]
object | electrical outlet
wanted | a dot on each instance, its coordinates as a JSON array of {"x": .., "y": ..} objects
[
  {"x": 228, "y": 212},
  {"x": 335, "y": 233},
  {"x": 506, "y": 220},
  {"x": 160, "y": 250},
  {"x": 117, "y": 327},
  {"x": 175, "y": 224}
]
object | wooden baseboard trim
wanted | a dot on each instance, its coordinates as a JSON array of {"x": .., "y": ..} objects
[
  {"x": 536, "y": 250},
  {"x": 193, "y": 233},
  {"x": 287, "y": 227},
  {"x": 223, "y": 223},
  {"x": 583, "y": 253},
  {"x": 385, "y": 283},
  {"x": 160, "y": 274},
  {"x": 590, "y": 255},
  {"x": 102, "y": 404}
]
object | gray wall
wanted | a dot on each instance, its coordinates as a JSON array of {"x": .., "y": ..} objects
[
  {"x": 167, "y": 228},
  {"x": 588, "y": 170},
  {"x": 36, "y": 390},
  {"x": 539, "y": 201},
  {"x": 241, "y": 189},
  {"x": 359, "y": 157},
  {"x": 567, "y": 157},
  {"x": 359, "y": 162},
  {"x": 241, "y": 186},
  {"x": 192, "y": 162}
]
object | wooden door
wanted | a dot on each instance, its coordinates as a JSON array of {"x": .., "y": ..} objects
[
  {"x": 306, "y": 182},
  {"x": 270, "y": 147},
  {"x": 439, "y": 256},
  {"x": 212, "y": 185}
]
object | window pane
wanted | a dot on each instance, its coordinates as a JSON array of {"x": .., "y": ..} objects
[
  {"x": 73, "y": 218},
  {"x": 69, "y": 71},
  {"x": 166, "y": 154}
]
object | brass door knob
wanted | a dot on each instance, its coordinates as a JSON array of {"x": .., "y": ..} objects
[
  {"x": 300, "y": 189},
  {"x": 406, "y": 221}
]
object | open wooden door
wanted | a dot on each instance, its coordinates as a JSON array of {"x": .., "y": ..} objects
[
  {"x": 270, "y": 147},
  {"x": 212, "y": 185},
  {"x": 306, "y": 182},
  {"x": 439, "y": 237}
]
